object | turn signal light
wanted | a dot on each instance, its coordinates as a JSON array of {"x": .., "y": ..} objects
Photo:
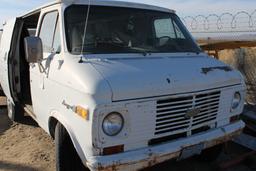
[
  {"x": 234, "y": 119},
  {"x": 113, "y": 150},
  {"x": 84, "y": 113}
]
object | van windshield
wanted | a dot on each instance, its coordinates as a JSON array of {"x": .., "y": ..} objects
[{"x": 125, "y": 30}]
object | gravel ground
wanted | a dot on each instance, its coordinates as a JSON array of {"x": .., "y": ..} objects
[{"x": 26, "y": 147}]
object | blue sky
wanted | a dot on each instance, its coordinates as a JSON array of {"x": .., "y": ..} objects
[{"x": 11, "y": 8}]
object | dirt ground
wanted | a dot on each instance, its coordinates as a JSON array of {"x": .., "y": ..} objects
[{"x": 26, "y": 147}]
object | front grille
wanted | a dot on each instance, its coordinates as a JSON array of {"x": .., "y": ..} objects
[
  {"x": 177, "y": 136},
  {"x": 172, "y": 113}
]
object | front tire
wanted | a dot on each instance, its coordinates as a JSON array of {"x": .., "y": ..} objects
[
  {"x": 67, "y": 158},
  {"x": 15, "y": 111}
]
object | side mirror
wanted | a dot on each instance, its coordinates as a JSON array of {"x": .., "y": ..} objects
[{"x": 33, "y": 49}]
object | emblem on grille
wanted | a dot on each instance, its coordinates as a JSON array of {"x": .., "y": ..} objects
[{"x": 192, "y": 112}]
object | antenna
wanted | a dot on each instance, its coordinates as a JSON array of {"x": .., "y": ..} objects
[
  {"x": 70, "y": 1},
  {"x": 85, "y": 26}
]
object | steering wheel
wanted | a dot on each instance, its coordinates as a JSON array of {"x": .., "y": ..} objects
[
  {"x": 161, "y": 41},
  {"x": 165, "y": 41}
]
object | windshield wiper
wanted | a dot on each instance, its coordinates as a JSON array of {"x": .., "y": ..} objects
[
  {"x": 121, "y": 45},
  {"x": 111, "y": 43},
  {"x": 140, "y": 50}
]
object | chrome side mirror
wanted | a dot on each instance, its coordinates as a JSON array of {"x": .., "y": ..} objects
[{"x": 33, "y": 49}]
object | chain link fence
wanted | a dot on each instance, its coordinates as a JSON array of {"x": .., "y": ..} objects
[{"x": 230, "y": 28}]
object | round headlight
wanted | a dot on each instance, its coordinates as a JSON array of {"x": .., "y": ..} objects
[
  {"x": 113, "y": 124},
  {"x": 236, "y": 100}
]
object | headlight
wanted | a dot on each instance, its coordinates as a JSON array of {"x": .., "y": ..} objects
[
  {"x": 113, "y": 124},
  {"x": 236, "y": 100}
]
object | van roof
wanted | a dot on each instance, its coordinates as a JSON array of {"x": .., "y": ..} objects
[{"x": 102, "y": 3}]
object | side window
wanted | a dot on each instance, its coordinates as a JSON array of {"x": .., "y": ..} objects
[
  {"x": 49, "y": 32},
  {"x": 178, "y": 32},
  {"x": 164, "y": 27}
]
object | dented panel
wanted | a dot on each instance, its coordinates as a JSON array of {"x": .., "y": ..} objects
[{"x": 223, "y": 68}]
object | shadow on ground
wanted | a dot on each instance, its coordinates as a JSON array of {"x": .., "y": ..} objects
[
  {"x": 230, "y": 152},
  {"x": 13, "y": 166},
  {"x": 6, "y": 123},
  {"x": 27, "y": 120}
]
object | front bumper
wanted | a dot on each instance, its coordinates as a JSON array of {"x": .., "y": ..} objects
[{"x": 146, "y": 157}]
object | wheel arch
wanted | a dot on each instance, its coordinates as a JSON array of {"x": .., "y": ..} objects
[
  {"x": 56, "y": 118},
  {"x": 52, "y": 123}
]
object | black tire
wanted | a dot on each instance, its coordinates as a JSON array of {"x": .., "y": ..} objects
[
  {"x": 67, "y": 158},
  {"x": 211, "y": 154},
  {"x": 15, "y": 111}
]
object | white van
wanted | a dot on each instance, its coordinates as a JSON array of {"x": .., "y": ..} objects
[
  {"x": 118, "y": 85},
  {"x": 1, "y": 91}
]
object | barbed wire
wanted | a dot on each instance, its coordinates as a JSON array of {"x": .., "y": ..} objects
[{"x": 241, "y": 21}]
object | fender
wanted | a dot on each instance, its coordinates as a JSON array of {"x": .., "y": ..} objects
[{"x": 55, "y": 114}]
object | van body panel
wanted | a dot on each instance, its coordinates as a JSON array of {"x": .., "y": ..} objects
[
  {"x": 113, "y": 3},
  {"x": 7, "y": 52},
  {"x": 144, "y": 77},
  {"x": 60, "y": 81}
]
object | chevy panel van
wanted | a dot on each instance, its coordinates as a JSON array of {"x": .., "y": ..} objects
[{"x": 118, "y": 85}]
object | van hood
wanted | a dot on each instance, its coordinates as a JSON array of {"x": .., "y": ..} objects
[{"x": 134, "y": 78}]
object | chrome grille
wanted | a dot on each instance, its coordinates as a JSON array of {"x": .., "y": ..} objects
[{"x": 171, "y": 113}]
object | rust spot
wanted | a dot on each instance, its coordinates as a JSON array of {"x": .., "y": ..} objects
[
  {"x": 209, "y": 69},
  {"x": 153, "y": 159}
]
